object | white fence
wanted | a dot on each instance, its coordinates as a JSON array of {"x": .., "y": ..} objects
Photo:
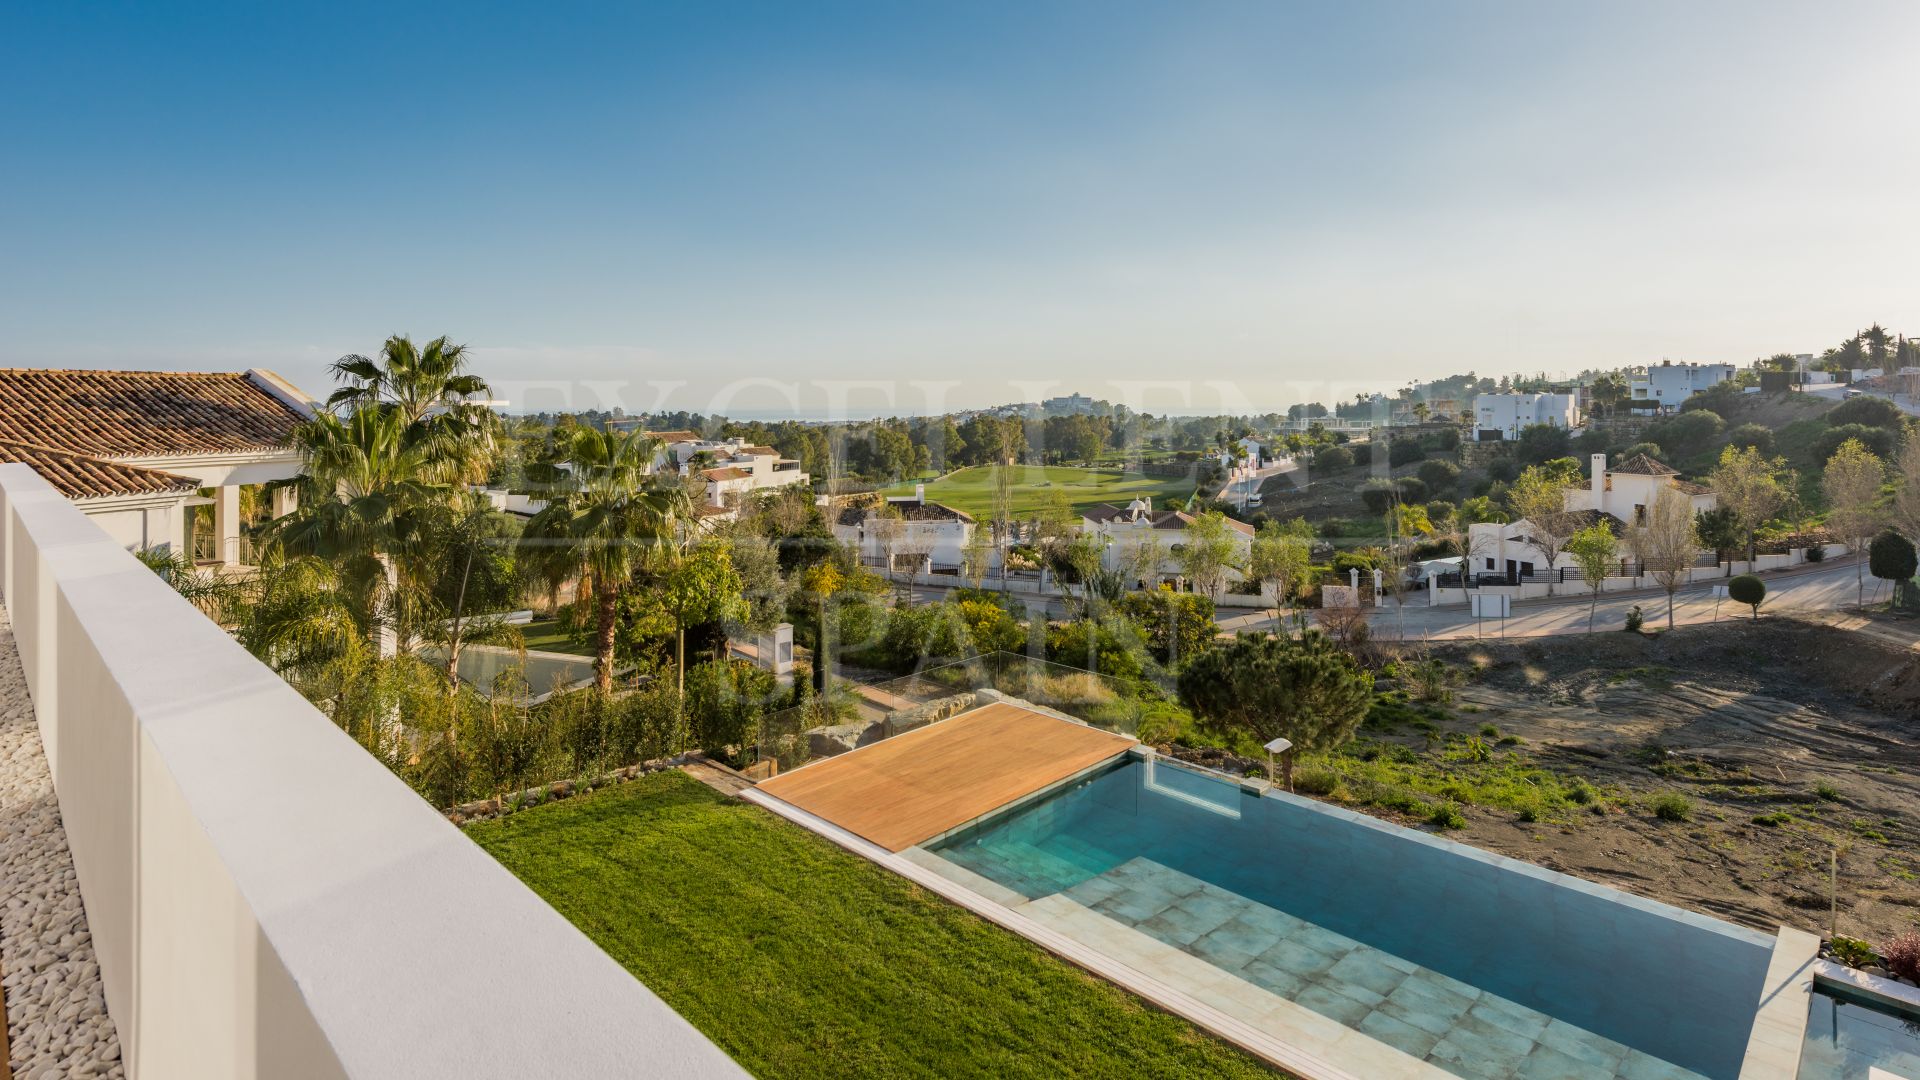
[
  {"x": 1541, "y": 587},
  {"x": 266, "y": 900}
]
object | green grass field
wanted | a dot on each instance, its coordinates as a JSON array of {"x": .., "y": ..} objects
[
  {"x": 1035, "y": 487},
  {"x": 803, "y": 960}
]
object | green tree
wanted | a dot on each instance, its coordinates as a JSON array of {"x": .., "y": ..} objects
[
  {"x": 1665, "y": 543},
  {"x": 1892, "y": 558},
  {"x": 1208, "y": 553},
  {"x": 1177, "y": 625},
  {"x": 1851, "y": 484},
  {"x": 1749, "y": 590},
  {"x": 1595, "y": 550},
  {"x": 1280, "y": 561},
  {"x": 1306, "y": 690},
  {"x": 605, "y": 519},
  {"x": 1719, "y": 529},
  {"x": 1751, "y": 485},
  {"x": 699, "y": 586},
  {"x": 467, "y": 539}
]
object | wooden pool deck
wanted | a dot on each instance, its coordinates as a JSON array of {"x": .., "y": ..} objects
[{"x": 916, "y": 786}]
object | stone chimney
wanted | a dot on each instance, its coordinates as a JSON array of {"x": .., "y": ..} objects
[{"x": 1599, "y": 481}]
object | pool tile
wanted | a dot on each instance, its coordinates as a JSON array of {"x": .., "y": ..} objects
[
  {"x": 1221, "y": 953},
  {"x": 1250, "y": 939},
  {"x": 1546, "y": 1063},
  {"x": 1299, "y": 959},
  {"x": 1641, "y": 1066},
  {"x": 1510, "y": 1016},
  {"x": 1329, "y": 1002},
  {"x": 1365, "y": 967},
  {"x": 1421, "y": 990},
  {"x": 1399, "y": 1034},
  {"x": 1172, "y": 927},
  {"x": 1463, "y": 1058},
  {"x": 1272, "y": 979},
  {"x": 1438, "y": 1021},
  {"x": 1582, "y": 1045}
]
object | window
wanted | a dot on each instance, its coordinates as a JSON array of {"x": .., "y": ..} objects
[{"x": 1489, "y": 564}]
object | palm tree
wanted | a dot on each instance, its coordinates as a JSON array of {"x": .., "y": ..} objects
[
  {"x": 606, "y": 517},
  {"x": 370, "y": 483},
  {"x": 416, "y": 380},
  {"x": 459, "y": 538}
]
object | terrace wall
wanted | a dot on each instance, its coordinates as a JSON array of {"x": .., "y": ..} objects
[{"x": 266, "y": 899}]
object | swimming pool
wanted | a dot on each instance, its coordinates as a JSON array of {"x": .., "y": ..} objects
[
  {"x": 1477, "y": 964},
  {"x": 1854, "y": 1036}
]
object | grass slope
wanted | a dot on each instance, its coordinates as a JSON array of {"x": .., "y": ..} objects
[
  {"x": 1035, "y": 487},
  {"x": 802, "y": 960}
]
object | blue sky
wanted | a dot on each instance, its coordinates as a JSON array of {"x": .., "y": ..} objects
[{"x": 915, "y": 206}]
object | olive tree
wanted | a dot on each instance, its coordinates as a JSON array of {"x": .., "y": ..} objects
[
  {"x": 1594, "y": 550},
  {"x": 1665, "y": 543},
  {"x": 1851, "y": 484}
]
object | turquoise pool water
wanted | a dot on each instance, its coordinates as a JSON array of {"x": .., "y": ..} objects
[
  {"x": 1484, "y": 966},
  {"x": 1854, "y": 1037}
]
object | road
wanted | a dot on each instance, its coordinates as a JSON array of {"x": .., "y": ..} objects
[{"x": 1822, "y": 587}]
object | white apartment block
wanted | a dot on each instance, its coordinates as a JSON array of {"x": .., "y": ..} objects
[
  {"x": 1668, "y": 384},
  {"x": 1503, "y": 416}
]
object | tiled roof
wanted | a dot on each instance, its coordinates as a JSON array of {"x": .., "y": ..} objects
[
  {"x": 671, "y": 437},
  {"x": 1692, "y": 488},
  {"x": 726, "y": 473},
  {"x": 80, "y": 477},
  {"x": 1642, "y": 465},
  {"x": 932, "y": 511},
  {"x": 1173, "y": 520},
  {"x": 760, "y": 451},
  {"x": 141, "y": 414},
  {"x": 1584, "y": 519}
]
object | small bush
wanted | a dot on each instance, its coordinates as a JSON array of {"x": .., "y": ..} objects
[
  {"x": 1635, "y": 620},
  {"x": 1530, "y": 812},
  {"x": 1852, "y": 951},
  {"x": 1313, "y": 780},
  {"x": 1902, "y": 955},
  {"x": 1491, "y": 731},
  {"x": 1817, "y": 553},
  {"x": 1581, "y": 792},
  {"x": 1826, "y": 792},
  {"x": 1446, "y": 815},
  {"x": 1672, "y": 806},
  {"x": 1773, "y": 820}
]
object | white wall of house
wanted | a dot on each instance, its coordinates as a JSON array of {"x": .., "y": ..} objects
[
  {"x": 137, "y": 524},
  {"x": 1668, "y": 384},
  {"x": 1508, "y": 414},
  {"x": 265, "y": 899},
  {"x": 1627, "y": 496}
]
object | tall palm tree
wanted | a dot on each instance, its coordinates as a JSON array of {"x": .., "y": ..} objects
[
  {"x": 370, "y": 482},
  {"x": 416, "y": 380},
  {"x": 606, "y": 517}
]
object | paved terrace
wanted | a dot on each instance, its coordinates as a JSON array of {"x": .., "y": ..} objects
[{"x": 262, "y": 898}]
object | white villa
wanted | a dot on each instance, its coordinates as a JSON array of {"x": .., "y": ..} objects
[
  {"x": 1668, "y": 384},
  {"x": 1503, "y": 416},
  {"x": 1618, "y": 496},
  {"x": 133, "y": 449},
  {"x": 1123, "y": 531},
  {"x": 931, "y": 537},
  {"x": 735, "y": 467}
]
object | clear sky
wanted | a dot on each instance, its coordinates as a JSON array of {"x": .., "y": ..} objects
[{"x": 960, "y": 203}]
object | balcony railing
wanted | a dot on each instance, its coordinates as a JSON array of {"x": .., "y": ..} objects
[{"x": 266, "y": 899}]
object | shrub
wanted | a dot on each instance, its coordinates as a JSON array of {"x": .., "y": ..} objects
[
  {"x": 1816, "y": 553},
  {"x": 1672, "y": 806},
  {"x": 1315, "y": 780},
  {"x": 1411, "y": 489},
  {"x": 1689, "y": 432},
  {"x": 1378, "y": 495},
  {"x": 1333, "y": 457},
  {"x": 1530, "y": 812},
  {"x": 1446, "y": 815},
  {"x": 1902, "y": 955},
  {"x": 1751, "y": 435},
  {"x": 1581, "y": 793},
  {"x": 1362, "y": 453},
  {"x": 1405, "y": 452},
  {"x": 1825, "y": 791},
  {"x": 1773, "y": 820},
  {"x": 1867, "y": 410},
  {"x": 1439, "y": 476},
  {"x": 1852, "y": 951},
  {"x": 1749, "y": 590},
  {"x": 1651, "y": 449},
  {"x": 1635, "y": 619},
  {"x": 1891, "y": 557},
  {"x": 1877, "y": 439},
  {"x": 1503, "y": 470}
]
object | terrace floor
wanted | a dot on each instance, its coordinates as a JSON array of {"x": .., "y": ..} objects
[{"x": 916, "y": 786}]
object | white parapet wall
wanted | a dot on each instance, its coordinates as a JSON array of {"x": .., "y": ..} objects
[{"x": 266, "y": 899}]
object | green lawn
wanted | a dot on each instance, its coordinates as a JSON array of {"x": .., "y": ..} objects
[
  {"x": 550, "y": 636},
  {"x": 802, "y": 960},
  {"x": 1035, "y": 488}
]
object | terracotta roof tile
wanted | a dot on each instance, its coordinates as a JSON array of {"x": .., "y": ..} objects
[
  {"x": 726, "y": 473},
  {"x": 138, "y": 414},
  {"x": 671, "y": 437},
  {"x": 760, "y": 451},
  {"x": 80, "y": 477},
  {"x": 1641, "y": 465}
]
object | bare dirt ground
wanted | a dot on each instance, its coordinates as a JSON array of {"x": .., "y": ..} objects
[{"x": 1746, "y": 720}]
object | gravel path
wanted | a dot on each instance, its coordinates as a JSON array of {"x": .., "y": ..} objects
[{"x": 57, "y": 1021}]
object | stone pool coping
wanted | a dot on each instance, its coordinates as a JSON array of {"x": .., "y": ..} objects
[{"x": 1786, "y": 997}]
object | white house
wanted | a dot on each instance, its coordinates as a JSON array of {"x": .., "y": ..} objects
[
  {"x": 1123, "y": 531},
  {"x": 132, "y": 449},
  {"x": 1503, "y": 416},
  {"x": 1618, "y": 496},
  {"x": 1626, "y": 490},
  {"x": 733, "y": 468},
  {"x": 1667, "y": 385},
  {"x": 927, "y": 537}
]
